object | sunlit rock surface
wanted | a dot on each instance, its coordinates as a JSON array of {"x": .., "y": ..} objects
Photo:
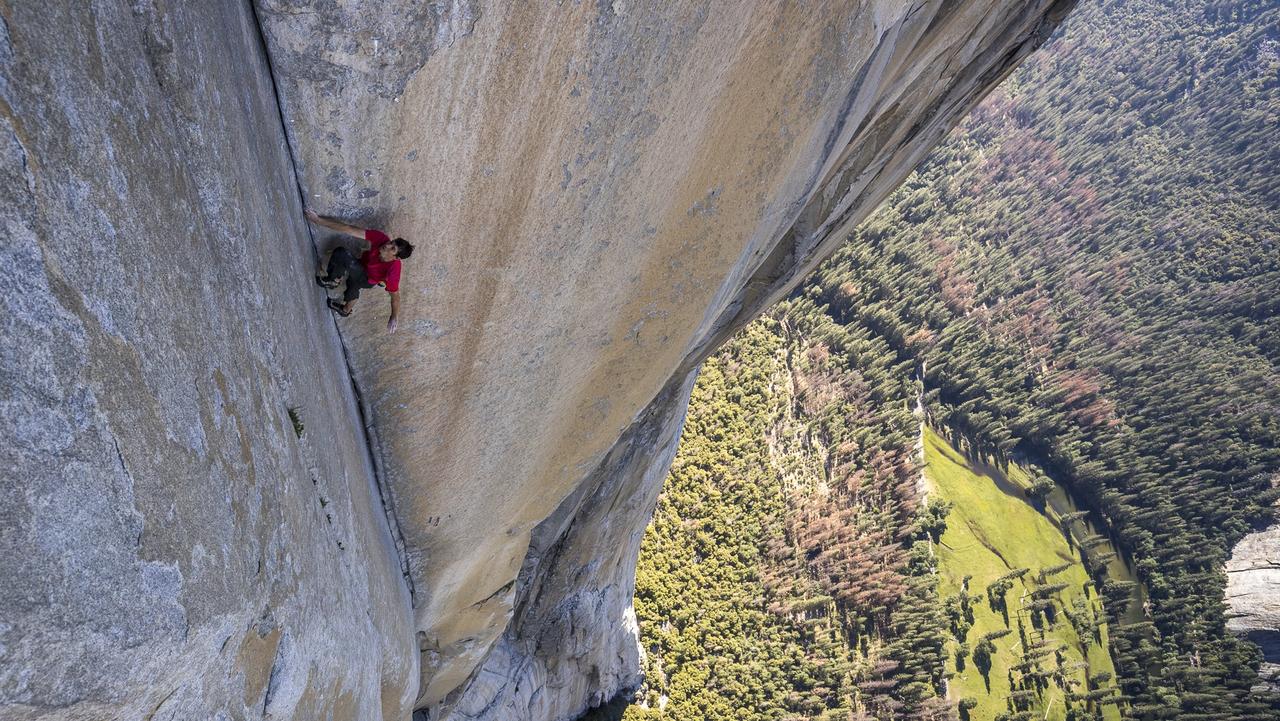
[
  {"x": 600, "y": 192},
  {"x": 1253, "y": 597}
]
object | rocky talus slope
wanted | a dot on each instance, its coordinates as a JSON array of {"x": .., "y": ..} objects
[{"x": 600, "y": 193}]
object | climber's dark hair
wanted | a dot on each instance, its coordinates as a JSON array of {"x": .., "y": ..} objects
[{"x": 404, "y": 248}]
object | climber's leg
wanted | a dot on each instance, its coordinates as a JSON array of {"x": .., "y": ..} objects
[
  {"x": 357, "y": 280},
  {"x": 341, "y": 262}
]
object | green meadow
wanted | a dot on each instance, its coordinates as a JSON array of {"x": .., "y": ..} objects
[{"x": 1051, "y": 634}]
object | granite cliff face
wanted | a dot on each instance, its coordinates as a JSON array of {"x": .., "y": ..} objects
[
  {"x": 1253, "y": 597},
  {"x": 170, "y": 547},
  {"x": 600, "y": 192}
]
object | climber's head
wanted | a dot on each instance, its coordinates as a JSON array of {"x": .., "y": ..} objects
[{"x": 398, "y": 248}]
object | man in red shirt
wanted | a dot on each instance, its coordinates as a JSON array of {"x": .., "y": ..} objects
[{"x": 378, "y": 265}]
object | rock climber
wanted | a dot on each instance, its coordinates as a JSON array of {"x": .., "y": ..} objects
[{"x": 379, "y": 264}]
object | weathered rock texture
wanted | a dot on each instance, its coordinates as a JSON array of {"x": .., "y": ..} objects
[
  {"x": 169, "y": 548},
  {"x": 1253, "y": 597},
  {"x": 601, "y": 193}
]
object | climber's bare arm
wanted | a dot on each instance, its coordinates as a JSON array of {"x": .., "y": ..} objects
[
  {"x": 351, "y": 230},
  {"x": 395, "y": 312}
]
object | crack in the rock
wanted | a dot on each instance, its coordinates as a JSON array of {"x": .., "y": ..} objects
[
  {"x": 1259, "y": 566},
  {"x": 364, "y": 412}
]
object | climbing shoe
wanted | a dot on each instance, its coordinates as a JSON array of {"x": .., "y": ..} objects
[
  {"x": 330, "y": 284},
  {"x": 336, "y": 307}
]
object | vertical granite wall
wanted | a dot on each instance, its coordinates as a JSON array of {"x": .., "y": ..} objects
[
  {"x": 1253, "y": 598},
  {"x": 600, "y": 193},
  {"x": 170, "y": 548}
]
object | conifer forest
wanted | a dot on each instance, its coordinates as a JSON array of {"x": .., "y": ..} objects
[{"x": 988, "y": 461}]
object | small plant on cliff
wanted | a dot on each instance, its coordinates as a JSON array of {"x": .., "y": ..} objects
[{"x": 296, "y": 420}]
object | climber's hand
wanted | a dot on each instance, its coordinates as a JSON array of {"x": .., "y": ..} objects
[
  {"x": 311, "y": 215},
  {"x": 391, "y": 325}
]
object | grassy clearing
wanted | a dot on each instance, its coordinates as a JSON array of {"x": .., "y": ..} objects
[{"x": 991, "y": 531}]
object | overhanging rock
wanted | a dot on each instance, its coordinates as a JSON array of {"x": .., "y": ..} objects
[{"x": 600, "y": 193}]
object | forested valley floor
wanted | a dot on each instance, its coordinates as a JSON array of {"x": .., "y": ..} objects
[{"x": 1080, "y": 286}]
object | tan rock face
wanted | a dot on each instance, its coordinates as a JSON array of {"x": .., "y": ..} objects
[
  {"x": 600, "y": 193},
  {"x": 1253, "y": 598}
]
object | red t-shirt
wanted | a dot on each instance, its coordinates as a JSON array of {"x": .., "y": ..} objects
[{"x": 378, "y": 271}]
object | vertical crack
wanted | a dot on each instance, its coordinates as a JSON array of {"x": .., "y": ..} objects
[{"x": 372, "y": 448}]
